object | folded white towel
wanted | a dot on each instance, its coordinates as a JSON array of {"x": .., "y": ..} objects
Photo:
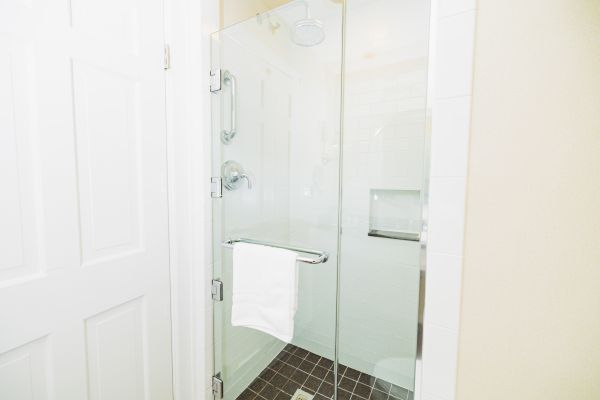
[{"x": 265, "y": 289}]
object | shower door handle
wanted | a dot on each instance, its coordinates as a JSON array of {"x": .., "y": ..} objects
[{"x": 228, "y": 135}]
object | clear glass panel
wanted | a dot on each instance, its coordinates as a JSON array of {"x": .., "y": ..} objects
[
  {"x": 287, "y": 71},
  {"x": 383, "y": 180}
]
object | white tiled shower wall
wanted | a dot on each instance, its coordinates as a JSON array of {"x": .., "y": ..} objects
[{"x": 452, "y": 50}]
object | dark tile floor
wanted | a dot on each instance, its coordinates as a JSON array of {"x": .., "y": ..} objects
[{"x": 296, "y": 368}]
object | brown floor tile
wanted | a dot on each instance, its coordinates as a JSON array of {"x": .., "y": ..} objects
[
  {"x": 257, "y": 385},
  {"x": 363, "y": 391},
  {"x": 286, "y": 370},
  {"x": 329, "y": 377},
  {"x": 313, "y": 358},
  {"x": 313, "y": 384},
  {"x": 294, "y": 361},
  {"x": 352, "y": 373},
  {"x": 325, "y": 363},
  {"x": 296, "y": 368},
  {"x": 282, "y": 396},
  {"x": 306, "y": 366},
  {"x": 299, "y": 376},
  {"x": 343, "y": 395},
  {"x": 267, "y": 374},
  {"x": 290, "y": 387},
  {"x": 366, "y": 379},
  {"x": 301, "y": 352},
  {"x": 319, "y": 372},
  {"x": 283, "y": 356},
  {"x": 269, "y": 392},
  {"x": 347, "y": 384},
  {"x": 278, "y": 381},
  {"x": 276, "y": 365},
  {"x": 326, "y": 389}
]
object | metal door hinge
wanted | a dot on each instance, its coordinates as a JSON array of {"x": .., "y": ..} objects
[
  {"x": 167, "y": 57},
  {"x": 215, "y": 80},
  {"x": 216, "y": 290},
  {"x": 216, "y": 187},
  {"x": 217, "y": 386}
]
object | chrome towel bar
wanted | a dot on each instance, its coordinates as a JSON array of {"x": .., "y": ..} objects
[{"x": 322, "y": 256}]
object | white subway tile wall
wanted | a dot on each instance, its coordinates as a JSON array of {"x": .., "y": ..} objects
[
  {"x": 454, "y": 58},
  {"x": 443, "y": 288},
  {"x": 446, "y": 214},
  {"x": 454, "y": 21},
  {"x": 450, "y": 145},
  {"x": 441, "y": 374}
]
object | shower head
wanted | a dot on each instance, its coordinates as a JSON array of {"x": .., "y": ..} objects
[{"x": 309, "y": 31}]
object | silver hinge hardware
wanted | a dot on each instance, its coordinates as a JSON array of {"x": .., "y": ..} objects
[
  {"x": 167, "y": 57},
  {"x": 216, "y": 290},
  {"x": 215, "y": 80},
  {"x": 217, "y": 386},
  {"x": 216, "y": 187}
]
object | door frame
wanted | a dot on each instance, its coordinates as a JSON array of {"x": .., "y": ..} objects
[{"x": 188, "y": 24}]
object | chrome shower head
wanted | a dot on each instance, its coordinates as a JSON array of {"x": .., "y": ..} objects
[{"x": 309, "y": 31}]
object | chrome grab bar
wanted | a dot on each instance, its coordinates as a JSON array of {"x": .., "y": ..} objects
[
  {"x": 228, "y": 135},
  {"x": 322, "y": 256}
]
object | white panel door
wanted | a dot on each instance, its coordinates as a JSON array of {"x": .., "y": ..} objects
[{"x": 84, "y": 268}]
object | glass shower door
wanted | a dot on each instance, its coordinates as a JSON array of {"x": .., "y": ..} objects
[
  {"x": 275, "y": 161},
  {"x": 384, "y": 181}
]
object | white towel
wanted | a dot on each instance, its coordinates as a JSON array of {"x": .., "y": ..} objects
[{"x": 265, "y": 289}]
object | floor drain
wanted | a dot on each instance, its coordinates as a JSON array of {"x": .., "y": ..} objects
[{"x": 302, "y": 395}]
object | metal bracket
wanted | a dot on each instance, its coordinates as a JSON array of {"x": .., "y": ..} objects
[
  {"x": 215, "y": 80},
  {"x": 217, "y": 386},
  {"x": 216, "y": 290},
  {"x": 216, "y": 187}
]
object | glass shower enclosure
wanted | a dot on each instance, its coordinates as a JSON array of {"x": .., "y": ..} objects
[{"x": 318, "y": 145}]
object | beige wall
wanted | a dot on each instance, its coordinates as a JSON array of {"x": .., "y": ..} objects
[
  {"x": 233, "y": 11},
  {"x": 530, "y": 326}
]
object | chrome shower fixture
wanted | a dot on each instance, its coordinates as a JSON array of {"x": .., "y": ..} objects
[
  {"x": 233, "y": 174},
  {"x": 309, "y": 31}
]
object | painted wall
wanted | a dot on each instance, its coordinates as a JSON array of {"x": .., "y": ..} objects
[{"x": 530, "y": 323}]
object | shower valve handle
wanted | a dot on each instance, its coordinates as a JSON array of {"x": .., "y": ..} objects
[
  {"x": 247, "y": 178},
  {"x": 233, "y": 174}
]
